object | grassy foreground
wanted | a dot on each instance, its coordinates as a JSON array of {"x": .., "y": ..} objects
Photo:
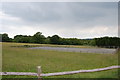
[{"x": 21, "y": 59}]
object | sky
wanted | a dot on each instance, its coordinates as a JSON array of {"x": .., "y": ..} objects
[
  {"x": 59, "y": 0},
  {"x": 66, "y": 19}
]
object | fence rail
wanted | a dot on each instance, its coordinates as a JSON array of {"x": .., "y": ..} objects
[{"x": 58, "y": 73}]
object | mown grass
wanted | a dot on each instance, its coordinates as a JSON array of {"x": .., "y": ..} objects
[
  {"x": 21, "y": 59},
  {"x": 50, "y": 45}
]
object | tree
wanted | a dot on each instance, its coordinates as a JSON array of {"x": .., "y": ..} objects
[
  {"x": 107, "y": 41},
  {"x": 55, "y": 39},
  {"x": 38, "y": 38},
  {"x": 0, "y": 37},
  {"x": 5, "y": 37},
  {"x": 74, "y": 41},
  {"x": 47, "y": 40},
  {"x": 92, "y": 42},
  {"x": 23, "y": 39}
]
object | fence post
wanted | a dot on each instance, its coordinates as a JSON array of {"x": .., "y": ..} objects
[{"x": 39, "y": 72}]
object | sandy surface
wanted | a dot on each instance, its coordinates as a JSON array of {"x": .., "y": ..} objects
[{"x": 83, "y": 50}]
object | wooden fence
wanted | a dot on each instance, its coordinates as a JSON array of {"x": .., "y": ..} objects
[{"x": 40, "y": 74}]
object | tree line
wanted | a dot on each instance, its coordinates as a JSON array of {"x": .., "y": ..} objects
[
  {"x": 108, "y": 42},
  {"x": 55, "y": 39}
]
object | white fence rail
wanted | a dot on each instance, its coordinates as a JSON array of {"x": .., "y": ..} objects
[{"x": 58, "y": 73}]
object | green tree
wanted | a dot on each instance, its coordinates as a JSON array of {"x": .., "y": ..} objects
[
  {"x": 5, "y": 37},
  {"x": 55, "y": 39},
  {"x": 107, "y": 41},
  {"x": 22, "y": 39},
  {"x": 38, "y": 38},
  {"x": 47, "y": 40}
]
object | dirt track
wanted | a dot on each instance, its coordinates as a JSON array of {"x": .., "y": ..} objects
[{"x": 83, "y": 50}]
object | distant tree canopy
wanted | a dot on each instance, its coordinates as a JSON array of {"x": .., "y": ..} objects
[
  {"x": 71, "y": 41},
  {"x": 22, "y": 39},
  {"x": 38, "y": 38},
  {"x": 4, "y": 37},
  {"x": 55, "y": 39},
  {"x": 107, "y": 41}
]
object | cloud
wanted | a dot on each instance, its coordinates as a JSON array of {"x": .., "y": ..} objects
[
  {"x": 67, "y": 19},
  {"x": 24, "y": 30},
  {"x": 7, "y": 17},
  {"x": 59, "y": 0}
]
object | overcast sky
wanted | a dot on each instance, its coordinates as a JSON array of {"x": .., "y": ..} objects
[{"x": 66, "y": 19}]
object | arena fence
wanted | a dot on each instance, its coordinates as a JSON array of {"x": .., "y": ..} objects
[{"x": 39, "y": 73}]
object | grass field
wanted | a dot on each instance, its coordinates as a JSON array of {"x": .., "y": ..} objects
[{"x": 21, "y": 59}]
